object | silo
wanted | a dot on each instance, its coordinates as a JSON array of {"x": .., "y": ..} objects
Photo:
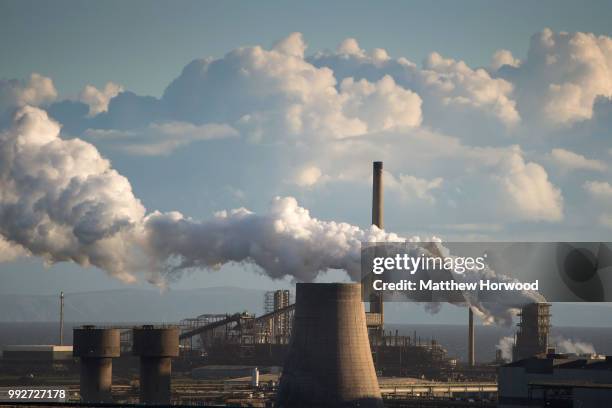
[
  {"x": 329, "y": 362},
  {"x": 96, "y": 347},
  {"x": 156, "y": 346}
]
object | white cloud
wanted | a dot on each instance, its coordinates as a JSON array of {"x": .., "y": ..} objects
[
  {"x": 445, "y": 85},
  {"x": 277, "y": 94},
  {"x": 9, "y": 251},
  {"x": 308, "y": 176},
  {"x": 411, "y": 187},
  {"x": 563, "y": 75},
  {"x": 160, "y": 138},
  {"x": 599, "y": 189},
  {"x": 38, "y": 90},
  {"x": 97, "y": 99},
  {"x": 382, "y": 105},
  {"x": 569, "y": 160},
  {"x": 503, "y": 57},
  {"x": 530, "y": 195}
]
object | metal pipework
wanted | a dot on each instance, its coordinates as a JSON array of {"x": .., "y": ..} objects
[
  {"x": 471, "y": 349},
  {"x": 156, "y": 346},
  {"x": 329, "y": 363},
  {"x": 96, "y": 347}
]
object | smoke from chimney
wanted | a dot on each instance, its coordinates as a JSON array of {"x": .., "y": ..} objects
[{"x": 62, "y": 201}]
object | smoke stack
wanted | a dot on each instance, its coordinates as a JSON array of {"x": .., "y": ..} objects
[
  {"x": 377, "y": 195},
  {"x": 61, "y": 328},
  {"x": 376, "y": 299},
  {"x": 329, "y": 362},
  {"x": 156, "y": 346},
  {"x": 96, "y": 347},
  {"x": 471, "y": 355}
]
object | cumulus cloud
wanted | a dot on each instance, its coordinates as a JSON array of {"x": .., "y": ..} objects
[
  {"x": 411, "y": 187},
  {"x": 569, "y": 160},
  {"x": 160, "y": 138},
  {"x": 36, "y": 91},
  {"x": 9, "y": 251},
  {"x": 383, "y": 105},
  {"x": 308, "y": 176},
  {"x": 445, "y": 85},
  {"x": 503, "y": 57},
  {"x": 563, "y": 75},
  {"x": 98, "y": 99},
  {"x": 599, "y": 189},
  {"x": 275, "y": 93},
  {"x": 530, "y": 193}
]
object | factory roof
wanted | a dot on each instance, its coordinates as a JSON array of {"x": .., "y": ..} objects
[
  {"x": 564, "y": 361},
  {"x": 37, "y": 347}
]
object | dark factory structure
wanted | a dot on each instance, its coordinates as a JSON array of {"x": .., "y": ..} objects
[
  {"x": 96, "y": 347},
  {"x": 329, "y": 362},
  {"x": 533, "y": 331},
  {"x": 156, "y": 347}
]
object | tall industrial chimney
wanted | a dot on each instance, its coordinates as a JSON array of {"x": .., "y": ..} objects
[
  {"x": 376, "y": 299},
  {"x": 377, "y": 195},
  {"x": 329, "y": 362},
  {"x": 471, "y": 355},
  {"x": 156, "y": 346},
  {"x": 96, "y": 347}
]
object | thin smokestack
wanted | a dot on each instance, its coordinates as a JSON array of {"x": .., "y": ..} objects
[
  {"x": 471, "y": 356},
  {"x": 377, "y": 195},
  {"x": 376, "y": 299},
  {"x": 61, "y": 328}
]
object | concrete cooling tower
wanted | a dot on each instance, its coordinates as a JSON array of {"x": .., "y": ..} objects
[
  {"x": 96, "y": 347},
  {"x": 329, "y": 362}
]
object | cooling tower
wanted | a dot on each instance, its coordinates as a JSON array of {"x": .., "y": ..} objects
[
  {"x": 156, "y": 346},
  {"x": 96, "y": 347},
  {"x": 329, "y": 362}
]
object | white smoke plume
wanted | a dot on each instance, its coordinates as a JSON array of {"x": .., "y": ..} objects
[
  {"x": 62, "y": 201},
  {"x": 562, "y": 345},
  {"x": 505, "y": 345},
  {"x": 565, "y": 345}
]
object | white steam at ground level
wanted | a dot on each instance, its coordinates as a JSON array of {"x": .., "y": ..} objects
[{"x": 561, "y": 344}]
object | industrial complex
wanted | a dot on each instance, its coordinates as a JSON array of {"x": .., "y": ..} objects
[{"x": 323, "y": 348}]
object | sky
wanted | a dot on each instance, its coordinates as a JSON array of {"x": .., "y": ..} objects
[{"x": 492, "y": 119}]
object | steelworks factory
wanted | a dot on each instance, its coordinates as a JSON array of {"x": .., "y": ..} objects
[{"x": 321, "y": 350}]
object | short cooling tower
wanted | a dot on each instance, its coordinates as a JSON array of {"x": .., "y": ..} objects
[
  {"x": 96, "y": 347},
  {"x": 156, "y": 346},
  {"x": 329, "y": 362}
]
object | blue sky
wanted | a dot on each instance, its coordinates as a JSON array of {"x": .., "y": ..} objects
[
  {"x": 492, "y": 119},
  {"x": 144, "y": 44}
]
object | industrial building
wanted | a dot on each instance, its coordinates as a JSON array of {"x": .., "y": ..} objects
[
  {"x": 533, "y": 331},
  {"x": 556, "y": 380},
  {"x": 37, "y": 353}
]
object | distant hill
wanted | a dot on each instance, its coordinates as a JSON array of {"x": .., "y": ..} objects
[{"x": 131, "y": 305}]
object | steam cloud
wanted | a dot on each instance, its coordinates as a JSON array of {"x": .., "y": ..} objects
[
  {"x": 62, "y": 201},
  {"x": 562, "y": 344}
]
